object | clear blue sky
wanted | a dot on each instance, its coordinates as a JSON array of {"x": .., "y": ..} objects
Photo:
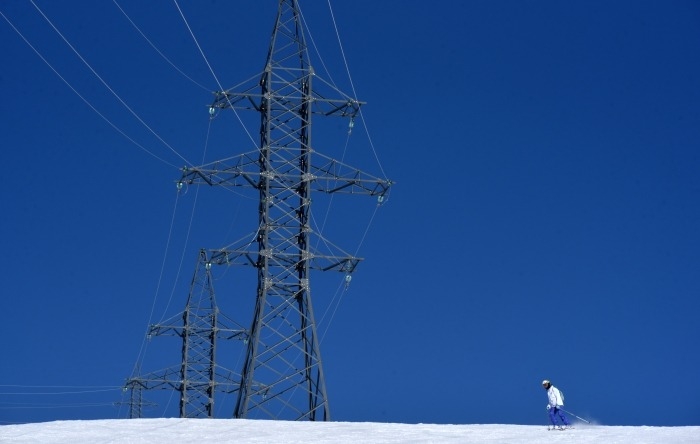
[{"x": 544, "y": 223}]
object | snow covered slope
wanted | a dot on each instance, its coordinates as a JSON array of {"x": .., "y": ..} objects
[{"x": 181, "y": 431}]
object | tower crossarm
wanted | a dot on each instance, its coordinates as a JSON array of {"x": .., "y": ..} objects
[
  {"x": 179, "y": 330},
  {"x": 241, "y": 170},
  {"x": 327, "y": 175},
  {"x": 255, "y": 258},
  {"x": 332, "y": 176},
  {"x": 164, "y": 379},
  {"x": 250, "y": 98},
  {"x": 171, "y": 379}
]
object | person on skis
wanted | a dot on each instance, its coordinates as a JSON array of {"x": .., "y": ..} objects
[{"x": 556, "y": 402}]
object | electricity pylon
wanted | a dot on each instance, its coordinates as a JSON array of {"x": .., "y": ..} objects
[
  {"x": 198, "y": 376},
  {"x": 282, "y": 375}
]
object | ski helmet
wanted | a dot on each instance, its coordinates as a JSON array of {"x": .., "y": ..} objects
[{"x": 546, "y": 382}]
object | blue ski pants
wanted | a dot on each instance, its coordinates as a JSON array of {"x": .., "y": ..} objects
[{"x": 553, "y": 412}]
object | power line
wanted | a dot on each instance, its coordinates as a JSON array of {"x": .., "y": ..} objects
[
  {"x": 160, "y": 53},
  {"x": 106, "y": 85},
  {"x": 87, "y": 102}
]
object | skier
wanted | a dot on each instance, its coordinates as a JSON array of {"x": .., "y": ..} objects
[{"x": 556, "y": 401}]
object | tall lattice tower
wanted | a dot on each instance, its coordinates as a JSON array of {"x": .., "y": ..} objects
[{"x": 282, "y": 374}]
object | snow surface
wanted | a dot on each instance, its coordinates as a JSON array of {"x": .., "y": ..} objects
[{"x": 171, "y": 431}]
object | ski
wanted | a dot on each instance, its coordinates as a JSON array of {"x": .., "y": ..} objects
[{"x": 561, "y": 428}]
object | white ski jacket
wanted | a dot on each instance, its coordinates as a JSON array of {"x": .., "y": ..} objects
[{"x": 555, "y": 398}]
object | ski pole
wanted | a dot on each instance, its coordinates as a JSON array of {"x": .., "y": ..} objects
[{"x": 572, "y": 414}]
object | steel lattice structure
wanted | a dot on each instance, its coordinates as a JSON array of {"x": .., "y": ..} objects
[
  {"x": 198, "y": 376},
  {"x": 282, "y": 375}
]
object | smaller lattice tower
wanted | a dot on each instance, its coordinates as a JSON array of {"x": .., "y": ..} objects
[{"x": 199, "y": 375}]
